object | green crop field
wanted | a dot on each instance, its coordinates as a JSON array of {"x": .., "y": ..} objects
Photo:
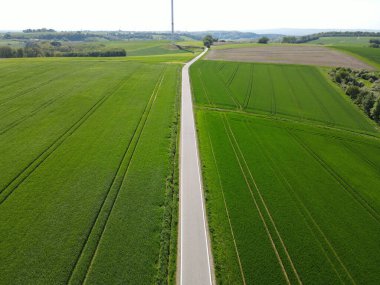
[
  {"x": 289, "y": 91},
  {"x": 292, "y": 194},
  {"x": 344, "y": 41},
  {"x": 368, "y": 54},
  {"x": 357, "y": 46},
  {"x": 88, "y": 171}
]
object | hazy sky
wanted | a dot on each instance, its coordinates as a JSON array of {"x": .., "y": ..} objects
[{"x": 190, "y": 15}]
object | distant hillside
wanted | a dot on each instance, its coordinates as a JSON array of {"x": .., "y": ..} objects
[
  {"x": 52, "y": 35},
  {"x": 232, "y": 35},
  {"x": 304, "y": 32}
]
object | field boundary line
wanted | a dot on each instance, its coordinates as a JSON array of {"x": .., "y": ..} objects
[
  {"x": 349, "y": 189},
  {"x": 278, "y": 173},
  {"x": 286, "y": 119},
  {"x": 118, "y": 178},
  {"x": 265, "y": 205},
  {"x": 258, "y": 208},
  {"x": 227, "y": 212},
  {"x": 35, "y": 163}
]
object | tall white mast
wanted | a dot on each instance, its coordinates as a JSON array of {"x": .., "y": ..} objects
[{"x": 172, "y": 18}]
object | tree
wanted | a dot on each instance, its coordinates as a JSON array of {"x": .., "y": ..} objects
[
  {"x": 208, "y": 41},
  {"x": 368, "y": 102},
  {"x": 289, "y": 40},
  {"x": 20, "y": 52},
  {"x": 353, "y": 91},
  {"x": 6, "y": 52},
  {"x": 263, "y": 40}
]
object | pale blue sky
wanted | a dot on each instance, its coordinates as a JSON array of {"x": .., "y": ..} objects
[{"x": 190, "y": 15}]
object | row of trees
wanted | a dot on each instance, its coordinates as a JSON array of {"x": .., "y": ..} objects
[
  {"x": 374, "y": 43},
  {"x": 43, "y": 30},
  {"x": 105, "y": 53},
  {"x": 348, "y": 34},
  {"x": 368, "y": 99},
  {"x": 299, "y": 40},
  {"x": 37, "y": 51},
  {"x": 50, "y": 34}
]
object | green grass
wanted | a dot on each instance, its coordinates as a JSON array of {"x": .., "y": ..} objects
[
  {"x": 287, "y": 195},
  {"x": 88, "y": 167},
  {"x": 289, "y": 91}
]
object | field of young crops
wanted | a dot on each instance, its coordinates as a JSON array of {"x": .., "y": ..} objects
[
  {"x": 292, "y": 195},
  {"x": 371, "y": 55},
  {"x": 289, "y": 91},
  {"x": 87, "y": 171}
]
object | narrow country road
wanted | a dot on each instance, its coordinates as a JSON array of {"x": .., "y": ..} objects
[{"x": 195, "y": 254}]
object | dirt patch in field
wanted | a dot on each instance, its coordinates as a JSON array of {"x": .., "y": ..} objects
[{"x": 308, "y": 55}]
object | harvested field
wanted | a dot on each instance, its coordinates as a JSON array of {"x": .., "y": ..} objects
[{"x": 309, "y": 55}]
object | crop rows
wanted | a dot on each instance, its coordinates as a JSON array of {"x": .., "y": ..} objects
[
  {"x": 291, "y": 174},
  {"x": 295, "y": 92},
  {"x": 284, "y": 207},
  {"x": 86, "y": 159}
]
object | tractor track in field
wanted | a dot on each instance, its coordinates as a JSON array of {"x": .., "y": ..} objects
[
  {"x": 349, "y": 189},
  {"x": 293, "y": 94},
  {"x": 302, "y": 208},
  {"x": 235, "y": 149},
  {"x": 203, "y": 86},
  {"x": 233, "y": 75},
  {"x": 273, "y": 93},
  {"x": 227, "y": 212},
  {"x": 361, "y": 156},
  {"x": 44, "y": 105},
  {"x": 40, "y": 108},
  {"x": 249, "y": 91},
  {"x": 11, "y": 186},
  {"x": 331, "y": 121},
  {"x": 31, "y": 89},
  {"x": 25, "y": 77},
  {"x": 230, "y": 93},
  {"x": 117, "y": 183}
]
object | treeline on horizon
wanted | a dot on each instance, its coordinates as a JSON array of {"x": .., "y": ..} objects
[
  {"x": 35, "y": 50},
  {"x": 50, "y": 34},
  {"x": 304, "y": 39}
]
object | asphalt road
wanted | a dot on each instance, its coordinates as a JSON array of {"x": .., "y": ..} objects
[{"x": 195, "y": 254}]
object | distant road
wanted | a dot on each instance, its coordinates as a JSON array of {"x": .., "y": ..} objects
[{"x": 195, "y": 254}]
